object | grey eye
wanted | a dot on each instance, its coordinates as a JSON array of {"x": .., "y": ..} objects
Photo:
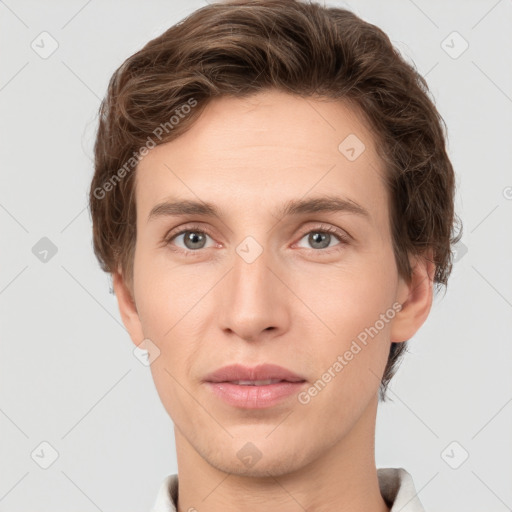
[
  {"x": 318, "y": 239},
  {"x": 192, "y": 239}
]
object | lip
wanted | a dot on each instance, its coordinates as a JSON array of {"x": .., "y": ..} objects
[
  {"x": 235, "y": 372},
  {"x": 221, "y": 384}
]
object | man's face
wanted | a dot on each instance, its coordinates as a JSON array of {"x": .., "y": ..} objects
[{"x": 251, "y": 287}]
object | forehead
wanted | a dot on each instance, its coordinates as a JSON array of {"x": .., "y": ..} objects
[{"x": 268, "y": 148}]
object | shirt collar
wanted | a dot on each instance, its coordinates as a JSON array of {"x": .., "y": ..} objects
[{"x": 396, "y": 486}]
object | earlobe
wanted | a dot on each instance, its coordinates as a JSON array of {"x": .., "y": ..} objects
[
  {"x": 127, "y": 307},
  {"x": 416, "y": 298}
]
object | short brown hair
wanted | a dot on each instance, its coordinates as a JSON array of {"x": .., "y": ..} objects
[{"x": 241, "y": 47}]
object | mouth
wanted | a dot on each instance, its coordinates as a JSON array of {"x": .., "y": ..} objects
[{"x": 259, "y": 387}]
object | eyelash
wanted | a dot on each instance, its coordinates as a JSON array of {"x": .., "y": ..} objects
[{"x": 343, "y": 238}]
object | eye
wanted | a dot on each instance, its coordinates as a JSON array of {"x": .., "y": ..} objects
[
  {"x": 194, "y": 238},
  {"x": 321, "y": 238}
]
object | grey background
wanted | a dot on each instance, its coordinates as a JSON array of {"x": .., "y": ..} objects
[{"x": 68, "y": 375}]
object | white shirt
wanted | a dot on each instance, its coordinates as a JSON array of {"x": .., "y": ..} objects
[{"x": 396, "y": 487}]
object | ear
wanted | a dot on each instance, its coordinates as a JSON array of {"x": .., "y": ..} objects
[
  {"x": 127, "y": 307},
  {"x": 416, "y": 298}
]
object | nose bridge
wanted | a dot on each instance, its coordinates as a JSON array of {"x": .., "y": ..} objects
[
  {"x": 251, "y": 274},
  {"x": 253, "y": 302}
]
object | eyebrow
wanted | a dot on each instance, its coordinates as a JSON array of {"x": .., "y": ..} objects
[{"x": 294, "y": 207}]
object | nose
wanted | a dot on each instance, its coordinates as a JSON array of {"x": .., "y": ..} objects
[{"x": 252, "y": 299}]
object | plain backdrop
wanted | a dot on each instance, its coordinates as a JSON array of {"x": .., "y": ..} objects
[{"x": 68, "y": 375}]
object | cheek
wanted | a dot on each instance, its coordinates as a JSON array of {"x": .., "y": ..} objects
[
  {"x": 351, "y": 296},
  {"x": 165, "y": 293},
  {"x": 168, "y": 301},
  {"x": 359, "y": 312},
  {"x": 172, "y": 306},
  {"x": 350, "y": 363}
]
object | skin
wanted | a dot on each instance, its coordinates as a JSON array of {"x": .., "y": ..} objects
[{"x": 291, "y": 306}]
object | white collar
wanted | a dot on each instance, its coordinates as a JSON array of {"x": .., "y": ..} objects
[{"x": 396, "y": 486}]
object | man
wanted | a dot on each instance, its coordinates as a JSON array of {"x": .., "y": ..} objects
[{"x": 273, "y": 198}]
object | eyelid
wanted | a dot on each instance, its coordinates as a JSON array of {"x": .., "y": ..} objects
[{"x": 329, "y": 228}]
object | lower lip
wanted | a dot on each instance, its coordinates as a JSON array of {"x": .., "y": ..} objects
[{"x": 255, "y": 397}]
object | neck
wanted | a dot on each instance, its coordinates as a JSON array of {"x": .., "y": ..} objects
[{"x": 341, "y": 478}]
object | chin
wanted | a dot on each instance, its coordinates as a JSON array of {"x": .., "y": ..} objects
[
  {"x": 259, "y": 459},
  {"x": 274, "y": 466}
]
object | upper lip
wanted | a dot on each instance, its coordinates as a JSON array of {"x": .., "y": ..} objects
[{"x": 237, "y": 372}]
